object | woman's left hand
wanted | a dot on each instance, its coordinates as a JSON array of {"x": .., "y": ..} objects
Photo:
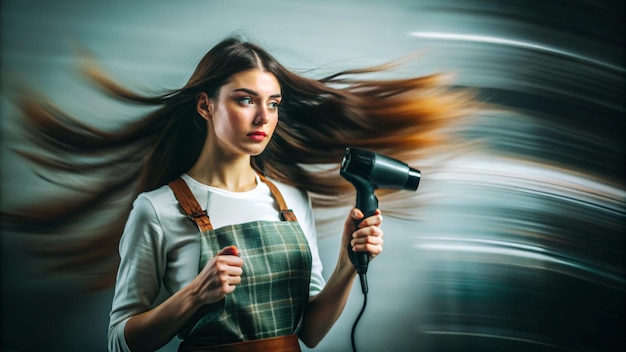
[{"x": 367, "y": 237}]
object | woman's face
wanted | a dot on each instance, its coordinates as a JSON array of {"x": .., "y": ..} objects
[{"x": 244, "y": 115}]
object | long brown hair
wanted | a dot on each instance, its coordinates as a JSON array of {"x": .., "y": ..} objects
[{"x": 318, "y": 118}]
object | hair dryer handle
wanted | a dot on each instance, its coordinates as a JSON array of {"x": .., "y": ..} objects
[{"x": 367, "y": 204}]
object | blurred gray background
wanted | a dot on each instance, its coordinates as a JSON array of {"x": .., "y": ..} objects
[{"x": 518, "y": 246}]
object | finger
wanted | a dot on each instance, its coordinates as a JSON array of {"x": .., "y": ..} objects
[
  {"x": 234, "y": 271},
  {"x": 356, "y": 214},
  {"x": 373, "y": 246},
  {"x": 373, "y": 231},
  {"x": 227, "y": 289},
  {"x": 359, "y": 241},
  {"x": 224, "y": 262},
  {"x": 372, "y": 250},
  {"x": 229, "y": 280},
  {"x": 230, "y": 250},
  {"x": 375, "y": 219},
  {"x": 232, "y": 280}
]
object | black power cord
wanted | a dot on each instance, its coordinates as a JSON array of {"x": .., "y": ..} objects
[{"x": 357, "y": 321}]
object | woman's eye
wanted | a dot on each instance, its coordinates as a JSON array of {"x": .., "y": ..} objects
[
  {"x": 245, "y": 100},
  {"x": 274, "y": 105}
]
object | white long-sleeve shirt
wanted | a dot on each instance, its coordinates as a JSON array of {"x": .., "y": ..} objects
[{"x": 159, "y": 247}]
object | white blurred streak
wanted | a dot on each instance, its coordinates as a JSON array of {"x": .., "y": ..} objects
[
  {"x": 489, "y": 336},
  {"x": 530, "y": 257},
  {"x": 534, "y": 178},
  {"x": 509, "y": 42}
]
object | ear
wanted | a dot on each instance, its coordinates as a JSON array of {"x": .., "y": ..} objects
[{"x": 204, "y": 105}]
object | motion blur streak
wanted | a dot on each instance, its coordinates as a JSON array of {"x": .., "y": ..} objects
[
  {"x": 524, "y": 249},
  {"x": 503, "y": 41},
  {"x": 492, "y": 336},
  {"x": 524, "y": 256}
]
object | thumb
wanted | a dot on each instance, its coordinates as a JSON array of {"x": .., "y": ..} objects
[{"x": 230, "y": 250}]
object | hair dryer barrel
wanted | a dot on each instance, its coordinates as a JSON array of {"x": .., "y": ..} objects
[
  {"x": 391, "y": 173},
  {"x": 371, "y": 170}
]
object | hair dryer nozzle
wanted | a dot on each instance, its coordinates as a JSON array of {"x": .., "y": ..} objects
[{"x": 414, "y": 179}]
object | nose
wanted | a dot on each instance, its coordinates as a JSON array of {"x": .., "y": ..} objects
[{"x": 261, "y": 117}]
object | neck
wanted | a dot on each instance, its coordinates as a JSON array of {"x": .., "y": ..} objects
[{"x": 232, "y": 174}]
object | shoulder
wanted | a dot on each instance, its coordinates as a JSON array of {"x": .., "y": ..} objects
[
  {"x": 157, "y": 195},
  {"x": 159, "y": 203},
  {"x": 292, "y": 194},
  {"x": 298, "y": 200},
  {"x": 157, "y": 213}
]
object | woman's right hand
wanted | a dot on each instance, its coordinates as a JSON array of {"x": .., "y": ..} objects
[{"x": 220, "y": 276}]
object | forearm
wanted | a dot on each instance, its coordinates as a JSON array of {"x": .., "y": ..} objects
[
  {"x": 151, "y": 330},
  {"x": 326, "y": 307}
]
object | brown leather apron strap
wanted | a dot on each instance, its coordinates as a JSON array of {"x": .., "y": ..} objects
[
  {"x": 287, "y": 214},
  {"x": 194, "y": 211},
  {"x": 190, "y": 205},
  {"x": 287, "y": 343}
]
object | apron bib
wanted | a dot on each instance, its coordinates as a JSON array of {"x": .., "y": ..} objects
[{"x": 274, "y": 289}]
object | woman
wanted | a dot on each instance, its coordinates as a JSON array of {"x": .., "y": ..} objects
[
  {"x": 240, "y": 111},
  {"x": 229, "y": 151}
]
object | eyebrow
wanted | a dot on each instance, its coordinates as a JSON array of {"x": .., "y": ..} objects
[{"x": 255, "y": 93}]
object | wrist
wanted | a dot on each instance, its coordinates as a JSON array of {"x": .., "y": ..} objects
[
  {"x": 191, "y": 296},
  {"x": 345, "y": 267}
]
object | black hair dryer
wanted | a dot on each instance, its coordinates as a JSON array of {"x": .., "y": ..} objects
[{"x": 368, "y": 171}]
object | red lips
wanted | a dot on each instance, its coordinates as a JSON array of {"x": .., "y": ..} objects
[
  {"x": 257, "y": 133},
  {"x": 257, "y": 136}
]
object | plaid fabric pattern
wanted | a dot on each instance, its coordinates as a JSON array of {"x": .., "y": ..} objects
[{"x": 274, "y": 291}]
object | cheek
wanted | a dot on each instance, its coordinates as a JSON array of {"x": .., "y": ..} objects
[
  {"x": 222, "y": 130},
  {"x": 273, "y": 123},
  {"x": 224, "y": 121}
]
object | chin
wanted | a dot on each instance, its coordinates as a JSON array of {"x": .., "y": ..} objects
[{"x": 256, "y": 152}]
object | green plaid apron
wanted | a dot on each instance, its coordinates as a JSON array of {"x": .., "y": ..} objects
[{"x": 274, "y": 288}]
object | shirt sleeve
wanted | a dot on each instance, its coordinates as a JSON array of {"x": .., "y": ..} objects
[
  {"x": 142, "y": 265},
  {"x": 308, "y": 226}
]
